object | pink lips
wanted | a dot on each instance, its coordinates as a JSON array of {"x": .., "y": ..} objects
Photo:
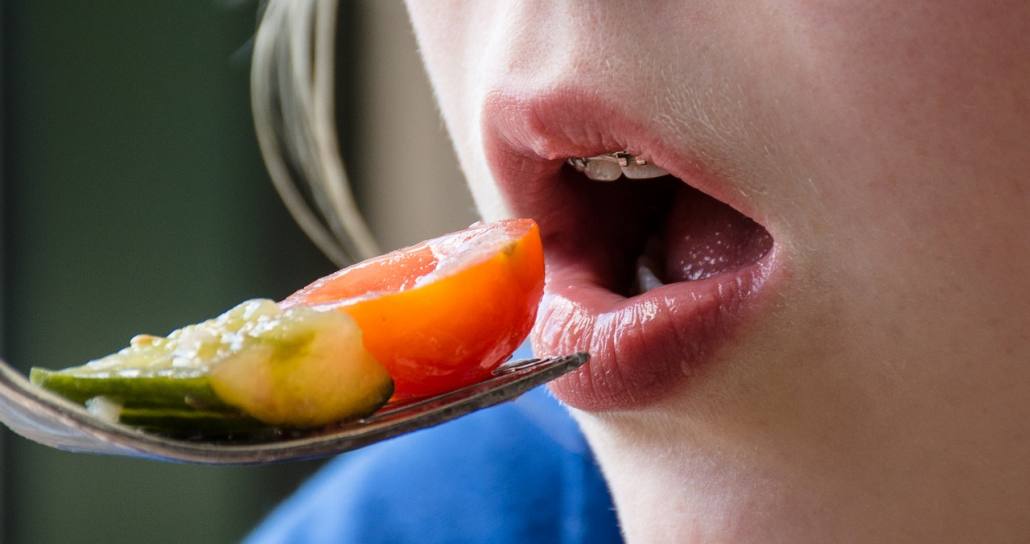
[{"x": 642, "y": 347}]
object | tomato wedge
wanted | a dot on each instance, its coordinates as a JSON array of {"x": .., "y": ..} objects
[{"x": 443, "y": 313}]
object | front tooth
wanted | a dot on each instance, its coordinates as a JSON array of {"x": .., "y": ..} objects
[
  {"x": 646, "y": 278},
  {"x": 643, "y": 171},
  {"x": 602, "y": 170}
]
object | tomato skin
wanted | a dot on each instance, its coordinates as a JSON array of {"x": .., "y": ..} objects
[{"x": 448, "y": 332}]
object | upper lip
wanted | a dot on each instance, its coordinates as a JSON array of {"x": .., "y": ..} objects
[
  {"x": 528, "y": 138},
  {"x": 641, "y": 346}
]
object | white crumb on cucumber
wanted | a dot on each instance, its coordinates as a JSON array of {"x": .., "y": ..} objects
[{"x": 104, "y": 408}]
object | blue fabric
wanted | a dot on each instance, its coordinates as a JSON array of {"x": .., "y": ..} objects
[{"x": 519, "y": 472}]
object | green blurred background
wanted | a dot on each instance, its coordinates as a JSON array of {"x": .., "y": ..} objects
[{"x": 134, "y": 200}]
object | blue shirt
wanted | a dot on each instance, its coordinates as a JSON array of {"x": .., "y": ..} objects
[{"x": 518, "y": 472}]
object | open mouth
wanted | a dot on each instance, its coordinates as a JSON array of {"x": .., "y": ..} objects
[
  {"x": 647, "y": 269},
  {"x": 672, "y": 233}
]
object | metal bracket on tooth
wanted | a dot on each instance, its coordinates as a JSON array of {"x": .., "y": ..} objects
[
  {"x": 621, "y": 158},
  {"x": 612, "y": 166}
]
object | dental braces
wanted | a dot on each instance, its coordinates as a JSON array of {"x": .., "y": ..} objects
[
  {"x": 622, "y": 158},
  {"x": 616, "y": 165}
]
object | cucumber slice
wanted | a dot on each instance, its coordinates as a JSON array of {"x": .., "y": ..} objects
[
  {"x": 155, "y": 391},
  {"x": 195, "y": 423},
  {"x": 298, "y": 367}
]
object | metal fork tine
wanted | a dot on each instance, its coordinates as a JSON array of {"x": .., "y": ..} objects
[{"x": 48, "y": 419}]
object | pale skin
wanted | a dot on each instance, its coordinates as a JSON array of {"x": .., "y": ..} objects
[{"x": 885, "y": 395}]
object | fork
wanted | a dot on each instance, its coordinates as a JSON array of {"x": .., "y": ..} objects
[{"x": 51, "y": 420}]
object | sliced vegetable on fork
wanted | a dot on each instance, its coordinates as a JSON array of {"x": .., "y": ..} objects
[{"x": 412, "y": 323}]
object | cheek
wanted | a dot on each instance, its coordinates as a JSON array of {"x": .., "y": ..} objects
[
  {"x": 912, "y": 114},
  {"x": 900, "y": 155}
]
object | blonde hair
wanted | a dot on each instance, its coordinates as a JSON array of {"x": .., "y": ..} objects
[{"x": 292, "y": 86}]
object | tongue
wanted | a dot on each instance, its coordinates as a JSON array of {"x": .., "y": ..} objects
[{"x": 705, "y": 237}]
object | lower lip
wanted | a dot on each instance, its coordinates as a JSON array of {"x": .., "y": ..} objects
[{"x": 647, "y": 347}]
